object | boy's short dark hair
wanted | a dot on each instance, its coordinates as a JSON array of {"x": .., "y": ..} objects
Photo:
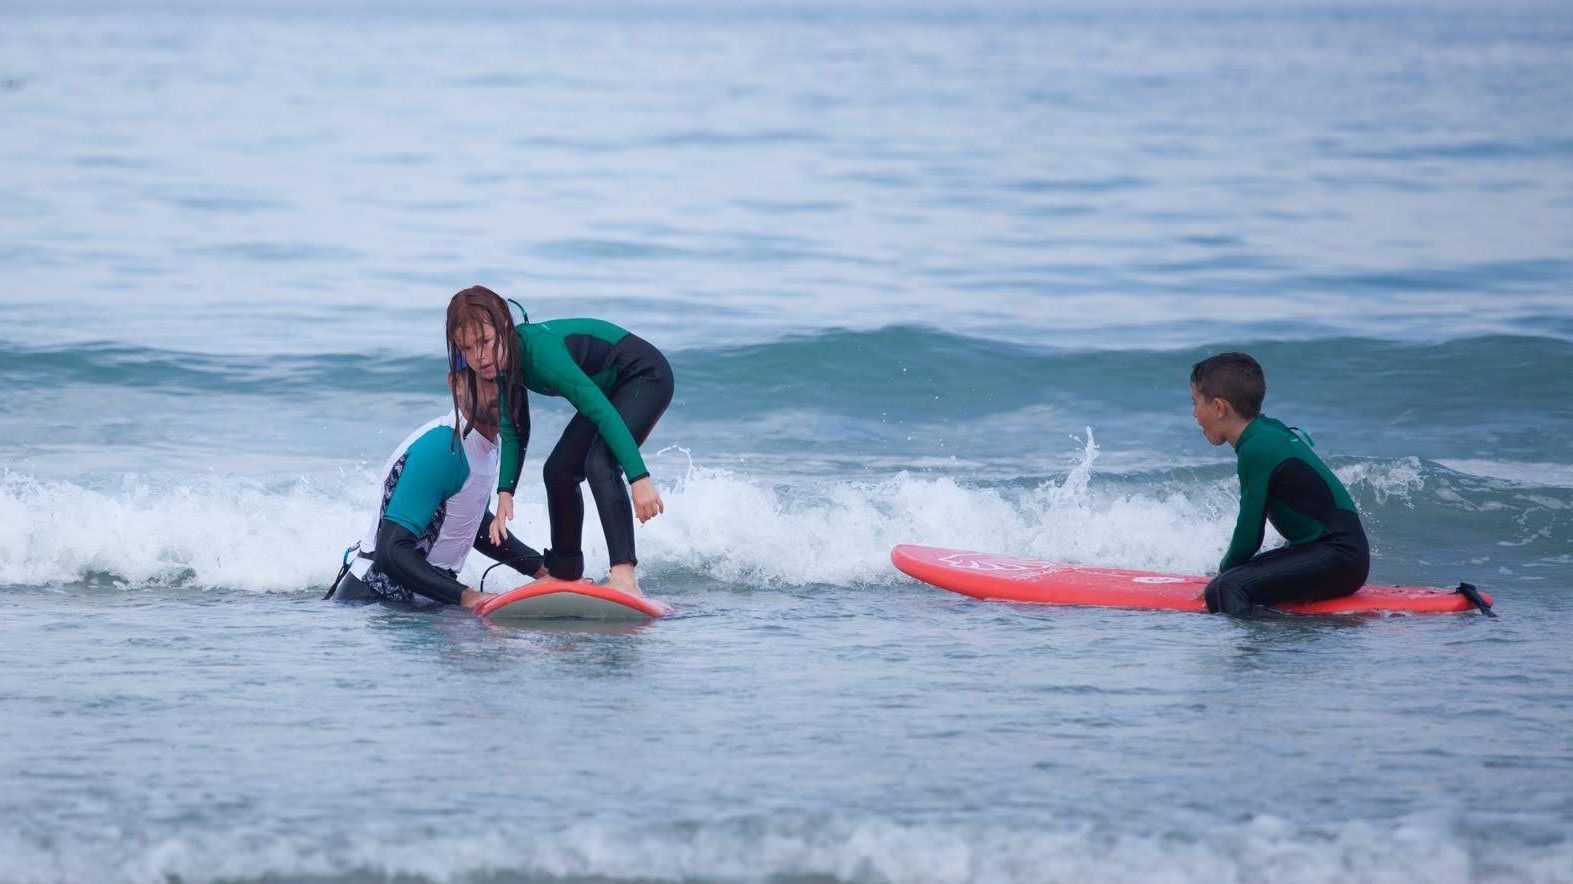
[{"x": 1235, "y": 378}]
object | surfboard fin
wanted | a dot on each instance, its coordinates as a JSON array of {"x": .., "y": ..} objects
[{"x": 1468, "y": 591}]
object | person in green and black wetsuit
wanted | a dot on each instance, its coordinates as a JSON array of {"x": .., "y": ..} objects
[
  {"x": 1282, "y": 480},
  {"x": 619, "y": 383}
]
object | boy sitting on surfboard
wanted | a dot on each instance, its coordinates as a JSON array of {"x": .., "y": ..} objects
[{"x": 1283, "y": 480}]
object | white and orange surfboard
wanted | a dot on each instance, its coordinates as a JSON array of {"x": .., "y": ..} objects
[
  {"x": 561, "y": 599},
  {"x": 1007, "y": 578}
]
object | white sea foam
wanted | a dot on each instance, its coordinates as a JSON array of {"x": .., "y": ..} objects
[
  {"x": 218, "y": 531},
  {"x": 839, "y": 849},
  {"x": 738, "y": 530},
  {"x": 1386, "y": 480}
]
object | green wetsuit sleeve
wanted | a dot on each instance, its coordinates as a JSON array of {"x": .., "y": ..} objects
[
  {"x": 433, "y": 472},
  {"x": 515, "y": 433},
  {"x": 1254, "y": 482},
  {"x": 575, "y": 386}
]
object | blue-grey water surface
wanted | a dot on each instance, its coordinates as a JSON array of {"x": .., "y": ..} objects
[{"x": 930, "y": 275}]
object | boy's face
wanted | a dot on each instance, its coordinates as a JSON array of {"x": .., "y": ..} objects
[{"x": 1210, "y": 415}]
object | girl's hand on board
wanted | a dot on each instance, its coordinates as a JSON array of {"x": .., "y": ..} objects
[
  {"x": 499, "y": 531},
  {"x": 647, "y": 500}
]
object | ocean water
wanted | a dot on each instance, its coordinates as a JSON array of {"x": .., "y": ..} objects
[{"x": 929, "y": 274}]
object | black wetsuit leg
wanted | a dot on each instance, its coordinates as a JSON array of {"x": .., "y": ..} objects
[
  {"x": 513, "y": 552},
  {"x": 643, "y": 391},
  {"x": 1330, "y": 568},
  {"x": 354, "y": 591}
]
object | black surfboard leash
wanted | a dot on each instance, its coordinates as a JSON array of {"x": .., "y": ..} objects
[
  {"x": 503, "y": 562},
  {"x": 334, "y": 586},
  {"x": 1468, "y": 591}
]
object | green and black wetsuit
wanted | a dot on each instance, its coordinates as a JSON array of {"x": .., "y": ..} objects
[
  {"x": 621, "y": 385},
  {"x": 1283, "y": 480}
]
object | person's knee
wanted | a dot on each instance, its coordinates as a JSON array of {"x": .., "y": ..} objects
[
  {"x": 1226, "y": 595},
  {"x": 351, "y": 590},
  {"x": 601, "y": 468},
  {"x": 1210, "y": 596},
  {"x": 559, "y": 473},
  {"x": 565, "y": 566}
]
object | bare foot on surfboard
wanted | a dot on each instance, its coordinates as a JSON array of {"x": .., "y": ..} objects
[{"x": 622, "y": 578}]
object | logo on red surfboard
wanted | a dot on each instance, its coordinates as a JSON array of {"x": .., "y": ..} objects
[
  {"x": 999, "y": 564},
  {"x": 1024, "y": 569}
]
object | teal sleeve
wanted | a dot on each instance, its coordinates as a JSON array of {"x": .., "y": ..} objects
[
  {"x": 433, "y": 472},
  {"x": 577, "y": 388},
  {"x": 1254, "y": 481},
  {"x": 515, "y": 437}
]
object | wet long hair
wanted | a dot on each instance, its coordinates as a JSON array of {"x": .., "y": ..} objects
[{"x": 481, "y": 307}]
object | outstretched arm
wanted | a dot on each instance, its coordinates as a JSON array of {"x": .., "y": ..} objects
[
  {"x": 433, "y": 471},
  {"x": 1248, "y": 528},
  {"x": 593, "y": 404},
  {"x": 515, "y": 432},
  {"x": 588, "y": 399},
  {"x": 398, "y": 557}
]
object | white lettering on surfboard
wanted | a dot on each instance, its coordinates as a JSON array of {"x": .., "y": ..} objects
[
  {"x": 1015, "y": 567},
  {"x": 1026, "y": 569}
]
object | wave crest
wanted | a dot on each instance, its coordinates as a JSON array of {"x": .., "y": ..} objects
[{"x": 727, "y": 527}]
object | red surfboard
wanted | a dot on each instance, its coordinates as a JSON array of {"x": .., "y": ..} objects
[
  {"x": 551, "y": 599},
  {"x": 1006, "y": 578}
]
